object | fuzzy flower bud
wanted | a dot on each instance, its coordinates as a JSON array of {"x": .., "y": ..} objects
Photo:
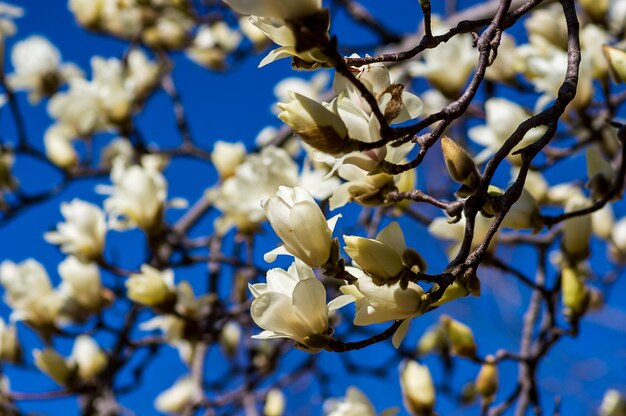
[
  {"x": 460, "y": 164},
  {"x": 461, "y": 338},
  {"x": 418, "y": 391},
  {"x": 487, "y": 380}
]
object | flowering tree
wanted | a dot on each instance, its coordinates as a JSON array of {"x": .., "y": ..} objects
[{"x": 498, "y": 121}]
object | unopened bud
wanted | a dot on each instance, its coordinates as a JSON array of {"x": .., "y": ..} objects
[
  {"x": 274, "y": 403},
  {"x": 433, "y": 340},
  {"x": 617, "y": 62},
  {"x": 230, "y": 337},
  {"x": 460, "y": 164},
  {"x": 461, "y": 338},
  {"x": 418, "y": 391},
  {"x": 487, "y": 380},
  {"x": 574, "y": 293}
]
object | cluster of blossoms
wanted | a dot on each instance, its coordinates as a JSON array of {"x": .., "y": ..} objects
[{"x": 347, "y": 145}]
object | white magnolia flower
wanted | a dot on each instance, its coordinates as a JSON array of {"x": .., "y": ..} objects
[
  {"x": 140, "y": 74},
  {"x": 548, "y": 23},
  {"x": 448, "y": 66},
  {"x": 58, "y": 141},
  {"x": 83, "y": 232},
  {"x": 257, "y": 178},
  {"x": 418, "y": 390},
  {"x": 179, "y": 397},
  {"x": 38, "y": 68},
  {"x": 29, "y": 292},
  {"x": 618, "y": 239},
  {"x": 256, "y": 35},
  {"x": 81, "y": 283},
  {"x": 118, "y": 148},
  {"x": 315, "y": 179},
  {"x": 504, "y": 68},
  {"x": 227, "y": 156},
  {"x": 292, "y": 304},
  {"x": 355, "y": 403},
  {"x": 442, "y": 229},
  {"x": 300, "y": 223},
  {"x": 137, "y": 197},
  {"x": 87, "y": 12},
  {"x": 10, "y": 349},
  {"x": 613, "y": 404},
  {"x": 382, "y": 257},
  {"x": 88, "y": 358},
  {"x": 276, "y": 8},
  {"x": 151, "y": 287},
  {"x": 79, "y": 109},
  {"x": 212, "y": 44},
  {"x": 577, "y": 231},
  {"x": 312, "y": 88},
  {"x": 502, "y": 117},
  {"x": 170, "y": 30},
  {"x": 376, "y": 304}
]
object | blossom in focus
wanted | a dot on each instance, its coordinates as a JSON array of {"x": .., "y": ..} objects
[
  {"x": 83, "y": 232},
  {"x": 383, "y": 257},
  {"x": 151, "y": 287},
  {"x": 179, "y": 397},
  {"x": 376, "y": 304},
  {"x": 301, "y": 225},
  {"x": 292, "y": 304}
]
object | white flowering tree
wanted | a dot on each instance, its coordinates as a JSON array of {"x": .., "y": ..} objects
[{"x": 508, "y": 109}]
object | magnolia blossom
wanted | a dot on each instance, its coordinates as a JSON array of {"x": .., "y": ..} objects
[
  {"x": 118, "y": 148},
  {"x": 170, "y": 30},
  {"x": 29, "y": 292},
  {"x": 179, "y": 397},
  {"x": 255, "y": 179},
  {"x": 381, "y": 258},
  {"x": 38, "y": 68},
  {"x": 442, "y": 229},
  {"x": 577, "y": 230},
  {"x": 81, "y": 283},
  {"x": 618, "y": 239},
  {"x": 355, "y": 403},
  {"x": 312, "y": 88},
  {"x": 88, "y": 358},
  {"x": 253, "y": 33},
  {"x": 300, "y": 223},
  {"x": 292, "y": 304},
  {"x": 613, "y": 404},
  {"x": 276, "y": 8},
  {"x": 448, "y": 66},
  {"x": 376, "y": 304},
  {"x": 227, "y": 156},
  {"x": 137, "y": 197},
  {"x": 83, "y": 232},
  {"x": 212, "y": 44},
  {"x": 502, "y": 117},
  {"x": 151, "y": 287},
  {"x": 417, "y": 386},
  {"x": 58, "y": 141}
]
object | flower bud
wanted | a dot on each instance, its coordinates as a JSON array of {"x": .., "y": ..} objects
[
  {"x": 486, "y": 383},
  {"x": 460, "y": 336},
  {"x": 577, "y": 230},
  {"x": 53, "y": 364},
  {"x": 524, "y": 214},
  {"x": 617, "y": 62},
  {"x": 274, "y": 403},
  {"x": 227, "y": 156},
  {"x": 418, "y": 391},
  {"x": 59, "y": 149},
  {"x": 380, "y": 258},
  {"x": 230, "y": 337},
  {"x": 574, "y": 293},
  {"x": 433, "y": 340},
  {"x": 318, "y": 126},
  {"x": 460, "y": 164},
  {"x": 87, "y": 12},
  {"x": 90, "y": 360},
  {"x": 299, "y": 222},
  {"x": 151, "y": 287},
  {"x": 10, "y": 348}
]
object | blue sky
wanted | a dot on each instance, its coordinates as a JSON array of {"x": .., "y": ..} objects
[{"x": 235, "y": 106}]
